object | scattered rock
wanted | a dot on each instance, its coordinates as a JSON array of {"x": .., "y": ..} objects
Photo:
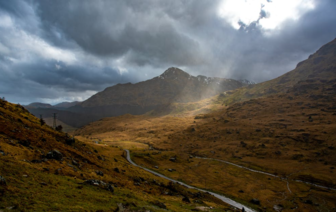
[
  {"x": 160, "y": 204},
  {"x": 120, "y": 207},
  {"x": 100, "y": 184},
  {"x": 2, "y": 181},
  {"x": 255, "y": 201},
  {"x": 115, "y": 160},
  {"x": 278, "y": 208},
  {"x": 186, "y": 199},
  {"x": 74, "y": 163},
  {"x": 55, "y": 154},
  {"x": 58, "y": 171},
  {"x": 116, "y": 170},
  {"x": 173, "y": 159},
  {"x": 308, "y": 202},
  {"x": 2, "y": 152},
  {"x": 243, "y": 144},
  {"x": 25, "y": 143},
  {"x": 156, "y": 167},
  {"x": 100, "y": 173}
]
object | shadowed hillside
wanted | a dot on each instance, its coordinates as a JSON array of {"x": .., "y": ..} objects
[{"x": 45, "y": 170}]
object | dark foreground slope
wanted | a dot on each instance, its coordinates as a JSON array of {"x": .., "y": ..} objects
[{"x": 45, "y": 170}]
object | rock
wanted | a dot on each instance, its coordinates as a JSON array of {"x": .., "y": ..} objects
[
  {"x": 156, "y": 167},
  {"x": 278, "y": 208},
  {"x": 160, "y": 204},
  {"x": 99, "y": 173},
  {"x": 308, "y": 202},
  {"x": 255, "y": 201},
  {"x": 186, "y": 199},
  {"x": 2, "y": 152},
  {"x": 243, "y": 144},
  {"x": 170, "y": 170},
  {"x": 55, "y": 154},
  {"x": 58, "y": 171},
  {"x": 2, "y": 181},
  {"x": 120, "y": 207},
  {"x": 173, "y": 159},
  {"x": 100, "y": 184},
  {"x": 25, "y": 143},
  {"x": 74, "y": 163},
  {"x": 190, "y": 156}
]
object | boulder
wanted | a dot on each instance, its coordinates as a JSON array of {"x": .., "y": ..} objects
[
  {"x": 55, "y": 154},
  {"x": 255, "y": 201},
  {"x": 160, "y": 204},
  {"x": 2, "y": 181},
  {"x": 173, "y": 159},
  {"x": 186, "y": 199},
  {"x": 100, "y": 173},
  {"x": 100, "y": 184}
]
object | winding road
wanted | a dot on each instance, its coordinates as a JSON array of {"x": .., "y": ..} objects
[
  {"x": 221, "y": 197},
  {"x": 269, "y": 174}
]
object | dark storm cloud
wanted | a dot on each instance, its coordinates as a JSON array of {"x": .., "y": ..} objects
[
  {"x": 68, "y": 49},
  {"x": 115, "y": 28}
]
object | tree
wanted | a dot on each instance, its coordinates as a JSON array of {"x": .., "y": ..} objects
[{"x": 42, "y": 121}]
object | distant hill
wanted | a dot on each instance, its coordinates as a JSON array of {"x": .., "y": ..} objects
[
  {"x": 66, "y": 104},
  {"x": 38, "y": 105}
]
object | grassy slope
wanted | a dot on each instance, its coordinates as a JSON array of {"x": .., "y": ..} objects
[{"x": 58, "y": 185}]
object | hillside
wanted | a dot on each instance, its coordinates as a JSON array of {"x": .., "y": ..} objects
[
  {"x": 288, "y": 133},
  {"x": 45, "y": 170},
  {"x": 320, "y": 65}
]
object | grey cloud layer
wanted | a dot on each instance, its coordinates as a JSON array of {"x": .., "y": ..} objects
[{"x": 89, "y": 45}]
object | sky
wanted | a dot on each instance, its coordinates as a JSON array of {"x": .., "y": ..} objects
[{"x": 67, "y": 50}]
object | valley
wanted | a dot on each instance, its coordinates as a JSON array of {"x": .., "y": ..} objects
[{"x": 265, "y": 147}]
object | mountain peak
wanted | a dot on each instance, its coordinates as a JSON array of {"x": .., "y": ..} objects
[{"x": 173, "y": 72}]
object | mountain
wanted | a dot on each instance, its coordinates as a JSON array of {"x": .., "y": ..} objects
[
  {"x": 38, "y": 105},
  {"x": 319, "y": 66},
  {"x": 173, "y": 86},
  {"x": 66, "y": 104}
]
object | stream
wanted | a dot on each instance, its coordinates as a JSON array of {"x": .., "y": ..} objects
[{"x": 221, "y": 197}]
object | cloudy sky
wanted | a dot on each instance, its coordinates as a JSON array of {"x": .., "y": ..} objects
[{"x": 67, "y": 50}]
